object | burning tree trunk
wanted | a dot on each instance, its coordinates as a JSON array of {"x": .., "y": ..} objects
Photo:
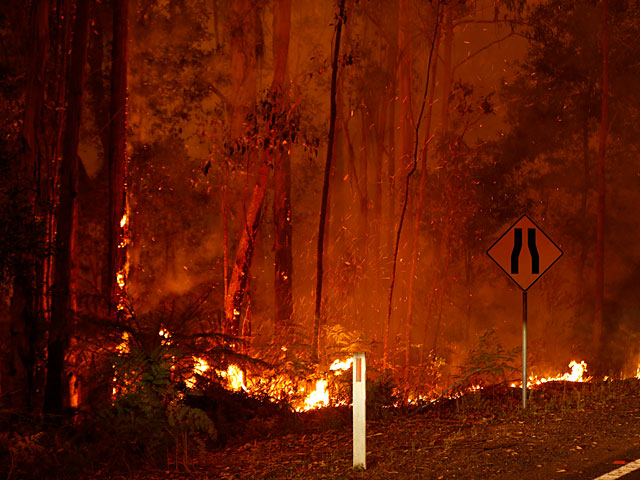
[
  {"x": 340, "y": 20},
  {"x": 599, "y": 296},
  {"x": 244, "y": 254},
  {"x": 246, "y": 44},
  {"x": 117, "y": 147},
  {"x": 61, "y": 302},
  {"x": 282, "y": 176}
]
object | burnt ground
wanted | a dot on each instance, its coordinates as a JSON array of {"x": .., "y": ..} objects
[{"x": 569, "y": 431}]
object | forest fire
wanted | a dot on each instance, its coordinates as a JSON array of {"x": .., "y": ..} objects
[
  {"x": 318, "y": 398},
  {"x": 200, "y": 366},
  {"x": 234, "y": 377},
  {"x": 577, "y": 374},
  {"x": 278, "y": 387},
  {"x": 203, "y": 199}
]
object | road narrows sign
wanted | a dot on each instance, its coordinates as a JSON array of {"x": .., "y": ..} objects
[{"x": 524, "y": 252}]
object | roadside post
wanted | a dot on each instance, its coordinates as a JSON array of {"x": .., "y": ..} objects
[
  {"x": 524, "y": 270},
  {"x": 359, "y": 412}
]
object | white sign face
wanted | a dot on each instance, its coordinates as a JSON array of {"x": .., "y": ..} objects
[
  {"x": 524, "y": 252},
  {"x": 359, "y": 411}
]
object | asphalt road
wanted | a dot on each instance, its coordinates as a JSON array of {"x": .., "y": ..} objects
[{"x": 606, "y": 462}]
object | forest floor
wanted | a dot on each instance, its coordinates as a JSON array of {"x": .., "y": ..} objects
[{"x": 569, "y": 431}]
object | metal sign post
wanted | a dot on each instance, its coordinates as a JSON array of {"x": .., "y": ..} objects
[
  {"x": 359, "y": 412},
  {"x": 524, "y": 269},
  {"x": 524, "y": 349}
]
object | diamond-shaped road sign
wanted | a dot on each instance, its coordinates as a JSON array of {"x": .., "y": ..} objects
[{"x": 524, "y": 252}]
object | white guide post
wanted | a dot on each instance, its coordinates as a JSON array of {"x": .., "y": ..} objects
[{"x": 359, "y": 411}]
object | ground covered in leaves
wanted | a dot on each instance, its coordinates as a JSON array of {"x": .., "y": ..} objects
[{"x": 570, "y": 430}]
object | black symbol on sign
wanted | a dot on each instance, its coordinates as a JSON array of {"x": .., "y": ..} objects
[{"x": 517, "y": 247}]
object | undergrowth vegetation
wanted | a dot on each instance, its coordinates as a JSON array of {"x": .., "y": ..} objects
[{"x": 162, "y": 414}]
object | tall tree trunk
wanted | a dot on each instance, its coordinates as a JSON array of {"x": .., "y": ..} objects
[
  {"x": 604, "y": 125},
  {"x": 61, "y": 315},
  {"x": 246, "y": 45},
  {"x": 447, "y": 68},
  {"x": 411, "y": 169},
  {"x": 244, "y": 254},
  {"x": 405, "y": 124},
  {"x": 584, "y": 196},
  {"x": 17, "y": 371},
  {"x": 117, "y": 148},
  {"x": 442, "y": 297},
  {"x": 282, "y": 177},
  {"x": 340, "y": 20},
  {"x": 419, "y": 206},
  {"x": 438, "y": 280}
]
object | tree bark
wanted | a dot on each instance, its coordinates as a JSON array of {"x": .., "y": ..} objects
[
  {"x": 411, "y": 169},
  {"x": 419, "y": 206},
  {"x": 244, "y": 254},
  {"x": 405, "y": 63},
  {"x": 61, "y": 314},
  {"x": 282, "y": 178},
  {"x": 117, "y": 149},
  {"x": 604, "y": 125},
  {"x": 340, "y": 20},
  {"x": 447, "y": 70},
  {"x": 17, "y": 371},
  {"x": 246, "y": 45}
]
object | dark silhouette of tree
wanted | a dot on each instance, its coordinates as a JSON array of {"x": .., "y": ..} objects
[
  {"x": 61, "y": 312},
  {"x": 340, "y": 21}
]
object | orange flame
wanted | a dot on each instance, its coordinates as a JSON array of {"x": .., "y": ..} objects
[
  {"x": 200, "y": 365},
  {"x": 235, "y": 378},
  {"x": 318, "y": 398},
  {"x": 577, "y": 374}
]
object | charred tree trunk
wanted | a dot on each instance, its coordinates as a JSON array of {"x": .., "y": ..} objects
[
  {"x": 117, "y": 148},
  {"x": 604, "y": 125},
  {"x": 17, "y": 371},
  {"x": 61, "y": 315},
  {"x": 340, "y": 20},
  {"x": 282, "y": 177}
]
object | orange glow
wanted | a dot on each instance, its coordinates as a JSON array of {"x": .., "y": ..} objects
[
  {"x": 123, "y": 347},
  {"x": 577, "y": 374},
  {"x": 120, "y": 279},
  {"x": 200, "y": 365},
  {"x": 317, "y": 399},
  {"x": 234, "y": 377}
]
